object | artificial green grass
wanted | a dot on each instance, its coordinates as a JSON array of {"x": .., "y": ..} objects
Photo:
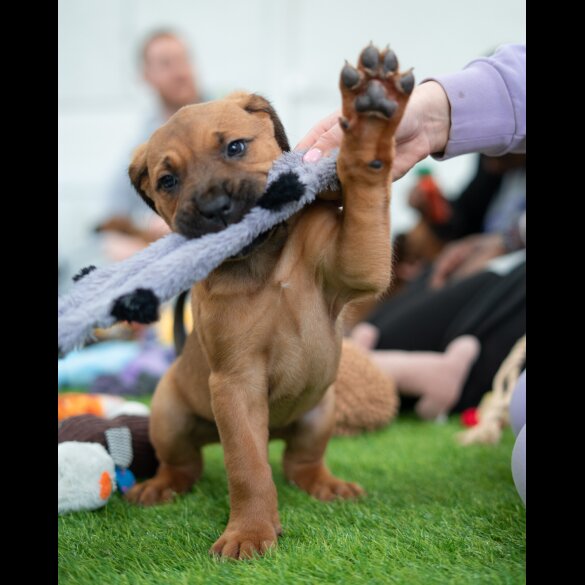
[{"x": 436, "y": 513}]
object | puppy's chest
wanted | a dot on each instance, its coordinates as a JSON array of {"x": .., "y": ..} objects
[
  {"x": 304, "y": 354},
  {"x": 287, "y": 323}
]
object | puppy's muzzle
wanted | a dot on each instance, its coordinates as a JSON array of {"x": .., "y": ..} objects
[{"x": 216, "y": 209}]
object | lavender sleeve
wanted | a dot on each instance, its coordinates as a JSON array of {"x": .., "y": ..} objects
[{"x": 488, "y": 104}]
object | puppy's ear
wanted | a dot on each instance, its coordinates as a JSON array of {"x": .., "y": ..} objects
[
  {"x": 255, "y": 103},
  {"x": 138, "y": 173}
]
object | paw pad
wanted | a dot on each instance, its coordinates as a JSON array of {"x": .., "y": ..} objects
[{"x": 376, "y": 83}]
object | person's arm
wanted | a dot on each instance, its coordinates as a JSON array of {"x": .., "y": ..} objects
[
  {"x": 479, "y": 109},
  {"x": 424, "y": 129},
  {"x": 488, "y": 105}
]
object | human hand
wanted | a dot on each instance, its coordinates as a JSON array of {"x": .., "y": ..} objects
[
  {"x": 423, "y": 130},
  {"x": 466, "y": 257}
]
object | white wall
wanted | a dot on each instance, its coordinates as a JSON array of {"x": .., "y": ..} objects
[{"x": 289, "y": 50}]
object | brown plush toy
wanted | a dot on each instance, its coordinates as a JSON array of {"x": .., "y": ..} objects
[
  {"x": 365, "y": 398},
  {"x": 89, "y": 428}
]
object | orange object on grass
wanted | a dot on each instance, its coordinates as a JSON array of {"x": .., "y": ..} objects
[
  {"x": 76, "y": 403},
  {"x": 105, "y": 485}
]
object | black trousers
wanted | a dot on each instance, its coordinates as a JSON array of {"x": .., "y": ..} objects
[{"x": 489, "y": 306}]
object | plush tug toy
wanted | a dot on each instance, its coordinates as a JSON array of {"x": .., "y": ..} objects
[{"x": 132, "y": 290}]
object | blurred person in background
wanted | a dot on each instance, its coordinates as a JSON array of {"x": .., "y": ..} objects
[
  {"x": 490, "y": 204},
  {"x": 167, "y": 68}
]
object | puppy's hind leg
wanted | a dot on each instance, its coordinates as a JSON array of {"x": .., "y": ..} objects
[
  {"x": 303, "y": 461},
  {"x": 177, "y": 441}
]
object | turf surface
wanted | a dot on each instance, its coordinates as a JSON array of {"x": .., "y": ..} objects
[{"x": 435, "y": 513}]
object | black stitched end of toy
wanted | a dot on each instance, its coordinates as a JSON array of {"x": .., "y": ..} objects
[
  {"x": 83, "y": 272},
  {"x": 140, "y": 306},
  {"x": 285, "y": 189}
]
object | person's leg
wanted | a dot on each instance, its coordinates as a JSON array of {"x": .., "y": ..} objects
[
  {"x": 435, "y": 378},
  {"x": 498, "y": 319},
  {"x": 418, "y": 321},
  {"x": 487, "y": 306},
  {"x": 495, "y": 347}
]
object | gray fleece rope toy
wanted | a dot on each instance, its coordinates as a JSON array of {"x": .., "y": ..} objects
[{"x": 133, "y": 289}]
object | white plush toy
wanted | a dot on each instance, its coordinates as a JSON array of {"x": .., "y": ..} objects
[
  {"x": 86, "y": 475},
  {"x": 89, "y": 474}
]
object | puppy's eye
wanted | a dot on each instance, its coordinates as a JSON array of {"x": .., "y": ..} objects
[
  {"x": 167, "y": 182},
  {"x": 236, "y": 148}
]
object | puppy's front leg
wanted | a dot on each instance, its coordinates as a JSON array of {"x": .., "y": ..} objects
[
  {"x": 374, "y": 97},
  {"x": 240, "y": 406}
]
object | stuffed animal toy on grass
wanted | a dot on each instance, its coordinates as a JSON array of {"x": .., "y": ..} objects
[
  {"x": 86, "y": 476},
  {"x": 99, "y": 456},
  {"x": 103, "y": 442}
]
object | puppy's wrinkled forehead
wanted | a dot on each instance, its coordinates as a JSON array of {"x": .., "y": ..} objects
[
  {"x": 201, "y": 130},
  {"x": 209, "y": 125}
]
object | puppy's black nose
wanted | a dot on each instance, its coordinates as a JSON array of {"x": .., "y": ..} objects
[{"x": 215, "y": 208}]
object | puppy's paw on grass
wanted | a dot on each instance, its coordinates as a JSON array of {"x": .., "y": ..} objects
[
  {"x": 335, "y": 489},
  {"x": 150, "y": 493},
  {"x": 324, "y": 486},
  {"x": 250, "y": 539}
]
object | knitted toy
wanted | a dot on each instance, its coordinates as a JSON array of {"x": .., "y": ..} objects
[
  {"x": 97, "y": 456},
  {"x": 96, "y": 448},
  {"x": 493, "y": 408},
  {"x": 89, "y": 428},
  {"x": 133, "y": 289}
]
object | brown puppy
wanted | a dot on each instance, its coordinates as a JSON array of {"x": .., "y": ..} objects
[{"x": 263, "y": 357}]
